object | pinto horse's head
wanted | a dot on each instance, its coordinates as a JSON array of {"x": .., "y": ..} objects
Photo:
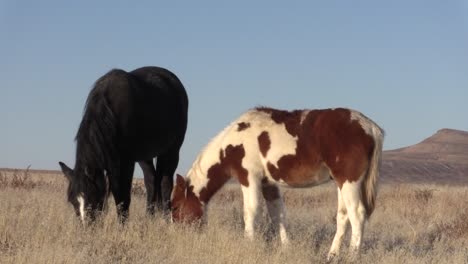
[
  {"x": 186, "y": 206},
  {"x": 85, "y": 192}
]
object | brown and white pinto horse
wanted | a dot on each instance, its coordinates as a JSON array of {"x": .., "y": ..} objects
[{"x": 265, "y": 147}]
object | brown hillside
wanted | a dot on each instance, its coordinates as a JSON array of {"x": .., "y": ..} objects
[{"x": 441, "y": 158}]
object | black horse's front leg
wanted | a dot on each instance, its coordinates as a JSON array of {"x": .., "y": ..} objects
[
  {"x": 165, "y": 168},
  {"x": 121, "y": 187}
]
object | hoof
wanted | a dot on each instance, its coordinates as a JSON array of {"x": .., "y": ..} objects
[{"x": 331, "y": 257}]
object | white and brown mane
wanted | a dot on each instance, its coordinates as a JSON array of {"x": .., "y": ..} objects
[{"x": 265, "y": 147}]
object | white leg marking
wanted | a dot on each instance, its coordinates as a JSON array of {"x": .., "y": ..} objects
[
  {"x": 341, "y": 225},
  {"x": 351, "y": 193},
  {"x": 251, "y": 206},
  {"x": 81, "y": 201}
]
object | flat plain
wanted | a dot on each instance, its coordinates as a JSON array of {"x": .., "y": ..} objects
[{"x": 412, "y": 223}]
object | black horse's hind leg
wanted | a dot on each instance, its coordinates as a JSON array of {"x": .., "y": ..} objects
[
  {"x": 165, "y": 168},
  {"x": 121, "y": 188},
  {"x": 149, "y": 173}
]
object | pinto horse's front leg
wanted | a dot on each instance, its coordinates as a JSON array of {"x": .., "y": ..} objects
[
  {"x": 275, "y": 206},
  {"x": 251, "y": 206}
]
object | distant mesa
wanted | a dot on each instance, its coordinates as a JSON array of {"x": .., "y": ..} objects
[{"x": 442, "y": 158}]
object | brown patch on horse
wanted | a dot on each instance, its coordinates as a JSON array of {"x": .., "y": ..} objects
[
  {"x": 186, "y": 207},
  {"x": 275, "y": 172},
  {"x": 264, "y": 143},
  {"x": 194, "y": 204},
  {"x": 327, "y": 141},
  {"x": 242, "y": 126},
  {"x": 270, "y": 191},
  {"x": 349, "y": 148},
  {"x": 230, "y": 165},
  {"x": 178, "y": 192},
  {"x": 291, "y": 120}
]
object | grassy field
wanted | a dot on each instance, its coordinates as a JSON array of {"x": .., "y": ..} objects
[{"x": 411, "y": 224}]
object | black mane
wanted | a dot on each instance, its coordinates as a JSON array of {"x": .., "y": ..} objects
[{"x": 97, "y": 132}]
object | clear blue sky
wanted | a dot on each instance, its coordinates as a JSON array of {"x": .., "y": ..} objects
[{"x": 402, "y": 63}]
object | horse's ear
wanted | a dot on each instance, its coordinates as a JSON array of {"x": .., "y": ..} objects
[
  {"x": 179, "y": 191},
  {"x": 180, "y": 181},
  {"x": 66, "y": 171}
]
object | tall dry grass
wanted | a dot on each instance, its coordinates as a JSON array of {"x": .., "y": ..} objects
[{"x": 411, "y": 224}]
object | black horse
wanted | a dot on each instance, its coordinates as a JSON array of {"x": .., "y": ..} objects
[{"x": 129, "y": 117}]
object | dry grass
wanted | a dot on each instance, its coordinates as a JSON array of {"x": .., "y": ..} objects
[{"x": 411, "y": 224}]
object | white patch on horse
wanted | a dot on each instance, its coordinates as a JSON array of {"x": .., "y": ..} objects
[
  {"x": 81, "y": 202},
  {"x": 366, "y": 124},
  {"x": 282, "y": 144},
  {"x": 304, "y": 115}
]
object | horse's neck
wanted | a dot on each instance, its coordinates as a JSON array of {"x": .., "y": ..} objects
[{"x": 204, "y": 186}]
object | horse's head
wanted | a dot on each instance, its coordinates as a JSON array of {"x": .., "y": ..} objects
[
  {"x": 86, "y": 191},
  {"x": 186, "y": 206}
]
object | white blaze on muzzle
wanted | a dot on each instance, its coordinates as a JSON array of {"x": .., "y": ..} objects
[{"x": 81, "y": 201}]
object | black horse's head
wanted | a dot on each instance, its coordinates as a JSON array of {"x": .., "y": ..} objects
[{"x": 86, "y": 191}]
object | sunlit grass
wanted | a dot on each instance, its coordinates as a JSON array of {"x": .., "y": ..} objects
[{"x": 411, "y": 224}]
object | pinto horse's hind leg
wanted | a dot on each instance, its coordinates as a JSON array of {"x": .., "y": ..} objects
[
  {"x": 165, "y": 167},
  {"x": 274, "y": 203},
  {"x": 351, "y": 193},
  {"x": 149, "y": 173},
  {"x": 341, "y": 225},
  {"x": 121, "y": 188}
]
